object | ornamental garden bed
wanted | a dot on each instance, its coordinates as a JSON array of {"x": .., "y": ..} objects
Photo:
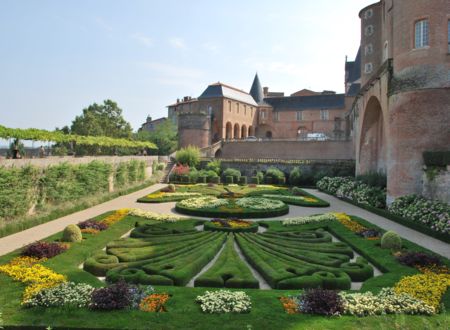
[
  {"x": 293, "y": 195},
  {"x": 287, "y": 252},
  {"x": 231, "y": 226}
]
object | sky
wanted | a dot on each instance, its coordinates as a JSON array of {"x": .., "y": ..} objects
[{"x": 58, "y": 57}]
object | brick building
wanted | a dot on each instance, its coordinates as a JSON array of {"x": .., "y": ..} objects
[
  {"x": 231, "y": 113},
  {"x": 403, "y": 106}
]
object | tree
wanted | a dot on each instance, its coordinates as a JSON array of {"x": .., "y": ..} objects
[
  {"x": 164, "y": 136},
  {"x": 102, "y": 120}
]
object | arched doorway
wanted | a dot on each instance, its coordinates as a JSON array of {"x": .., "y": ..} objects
[
  {"x": 243, "y": 132},
  {"x": 228, "y": 131},
  {"x": 237, "y": 132},
  {"x": 218, "y": 153},
  {"x": 372, "y": 149},
  {"x": 269, "y": 134},
  {"x": 251, "y": 131}
]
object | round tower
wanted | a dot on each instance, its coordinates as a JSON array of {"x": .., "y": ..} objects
[{"x": 194, "y": 129}]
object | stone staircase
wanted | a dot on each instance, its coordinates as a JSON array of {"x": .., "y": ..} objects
[{"x": 167, "y": 170}]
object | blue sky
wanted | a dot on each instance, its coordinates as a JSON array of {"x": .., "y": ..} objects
[{"x": 57, "y": 57}]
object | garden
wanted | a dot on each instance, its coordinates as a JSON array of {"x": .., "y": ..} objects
[{"x": 137, "y": 268}]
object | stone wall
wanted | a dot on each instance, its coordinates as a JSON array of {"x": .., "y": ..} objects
[
  {"x": 437, "y": 186},
  {"x": 278, "y": 149}
]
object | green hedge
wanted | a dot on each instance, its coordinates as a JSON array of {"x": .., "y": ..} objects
[
  {"x": 228, "y": 271},
  {"x": 23, "y": 188}
]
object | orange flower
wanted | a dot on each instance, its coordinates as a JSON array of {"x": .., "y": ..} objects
[
  {"x": 289, "y": 305},
  {"x": 154, "y": 302}
]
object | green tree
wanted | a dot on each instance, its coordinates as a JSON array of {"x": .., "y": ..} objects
[
  {"x": 164, "y": 136},
  {"x": 101, "y": 120}
]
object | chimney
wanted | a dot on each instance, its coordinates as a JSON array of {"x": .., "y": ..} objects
[
  {"x": 178, "y": 100},
  {"x": 186, "y": 98},
  {"x": 266, "y": 91}
]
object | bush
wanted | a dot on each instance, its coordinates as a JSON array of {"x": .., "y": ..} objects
[
  {"x": 391, "y": 240},
  {"x": 93, "y": 224},
  {"x": 193, "y": 175},
  {"x": 66, "y": 294},
  {"x": 214, "y": 165},
  {"x": 321, "y": 302},
  {"x": 228, "y": 179},
  {"x": 115, "y": 296},
  {"x": 202, "y": 179},
  {"x": 243, "y": 180},
  {"x": 436, "y": 158},
  {"x": 236, "y": 174},
  {"x": 373, "y": 179},
  {"x": 275, "y": 175},
  {"x": 421, "y": 259},
  {"x": 260, "y": 176},
  {"x": 43, "y": 250},
  {"x": 254, "y": 180},
  {"x": 72, "y": 233},
  {"x": 215, "y": 180},
  {"x": 294, "y": 176},
  {"x": 188, "y": 156},
  {"x": 209, "y": 174},
  {"x": 224, "y": 301}
]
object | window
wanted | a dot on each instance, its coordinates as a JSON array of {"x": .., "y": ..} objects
[
  {"x": 209, "y": 110},
  {"x": 448, "y": 35},
  {"x": 421, "y": 38},
  {"x": 237, "y": 107},
  {"x": 368, "y": 14},
  {"x": 263, "y": 114},
  {"x": 368, "y": 67},
  {"x": 386, "y": 51},
  {"x": 368, "y": 31},
  {"x": 276, "y": 116},
  {"x": 299, "y": 116},
  {"x": 368, "y": 49},
  {"x": 245, "y": 110},
  {"x": 229, "y": 106},
  {"x": 323, "y": 114}
]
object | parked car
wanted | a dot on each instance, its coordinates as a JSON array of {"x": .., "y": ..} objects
[
  {"x": 251, "y": 138},
  {"x": 316, "y": 137}
]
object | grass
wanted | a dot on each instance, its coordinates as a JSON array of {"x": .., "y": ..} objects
[
  {"x": 184, "y": 313},
  {"x": 15, "y": 226}
]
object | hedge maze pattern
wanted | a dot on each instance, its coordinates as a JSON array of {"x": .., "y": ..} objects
[{"x": 166, "y": 255}]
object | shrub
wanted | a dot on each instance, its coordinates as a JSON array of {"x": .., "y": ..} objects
[
  {"x": 160, "y": 167},
  {"x": 43, "y": 250},
  {"x": 321, "y": 302},
  {"x": 243, "y": 180},
  {"x": 193, "y": 175},
  {"x": 214, "y": 165},
  {"x": 373, "y": 179},
  {"x": 224, "y": 301},
  {"x": 421, "y": 259},
  {"x": 115, "y": 296},
  {"x": 93, "y": 224},
  {"x": 236, "y": 174},
  {"x": 433, "y": 214},
  {"x": 72, "y": 233},
  {"x": 260, "y": 176},
  {"x": 254, "y": 180},
  {"x": 65, "y": 294},
  {"x": 209, "y": 174},
  {"x": 274, "y": 174},
  {"x": 202, "y": 179},
  {"x": 391, "y": 240},
  {"x": 188, "y": 156},
  {"x": 228, "y": 179},
  {"x": 295, "y": 176},
  {"x": 215, "y": 180}
]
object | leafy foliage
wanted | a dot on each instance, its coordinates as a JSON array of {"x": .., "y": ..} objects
[
  {"x": 295, "y": 176},
  {"x": 42, "y": 250},
  {"x": 188, "y": 156},
  {"x": 391, "y": 240},
  {"x": 72, "y": 233},
  {"x": 421, "y": 259},
  {"x": 214, "y": 165},
  {"x": 164, "y": 137},
  {"x": 321, "y": 302},
  {"x": 115, "y": 296},
  {"x": 274, "y": 174}
]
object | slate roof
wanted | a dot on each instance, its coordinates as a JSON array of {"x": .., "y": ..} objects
[
  {"x": 333, "y": 101},
  {"x": 256, "y": 91},
  {"x": 354, "y": 89},
  {"x": 354, "y": 68},
  {"x": 222, "y": 90}
]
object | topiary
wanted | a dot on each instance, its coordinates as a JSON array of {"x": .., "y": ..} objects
[
  {"x": 391, "y": 240},
  {"x": 171, "y": 187},
  {"x": 294, "y": 176},
  {"x": 72, "y": 233}
]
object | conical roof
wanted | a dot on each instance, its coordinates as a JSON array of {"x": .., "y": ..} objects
[{"x": 256, "y": 91}]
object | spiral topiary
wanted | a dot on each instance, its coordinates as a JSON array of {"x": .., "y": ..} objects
[
  {"x": 391, "y": 240},
  {"x": 72, "y": 233}
]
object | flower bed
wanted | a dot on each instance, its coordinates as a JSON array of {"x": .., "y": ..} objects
[
  {"x": 154, "y": 216},
  {"x": 154, "y": 302},
  {"x": 231, "y": 225},
  {"x": 163, "y": 197},
  {"x": 223, "y": 301},
  {"x": 308, "y": 219},
  {"x": 247, "y": 207}
]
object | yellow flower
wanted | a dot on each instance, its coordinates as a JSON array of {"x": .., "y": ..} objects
[{"x": 115, "y": 217}]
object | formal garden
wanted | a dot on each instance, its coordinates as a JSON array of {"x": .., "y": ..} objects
[{"x": 231, "y": 256}]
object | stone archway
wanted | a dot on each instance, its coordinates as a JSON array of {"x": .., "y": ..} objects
[
  {"x": 228, "y": 131},
  {"x": 251, "y": 131},
  {"x": 243, "y": 132},
  {"x": 237, "y": 132},
  {"x": 372, "y": 144}
]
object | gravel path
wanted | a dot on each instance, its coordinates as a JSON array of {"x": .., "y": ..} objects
[{"x": 12, "y": 242}]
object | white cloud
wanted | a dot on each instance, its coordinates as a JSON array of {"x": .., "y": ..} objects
[
  {"x": 177, "y": 43},
  {"x": 142, "y": 39}
]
